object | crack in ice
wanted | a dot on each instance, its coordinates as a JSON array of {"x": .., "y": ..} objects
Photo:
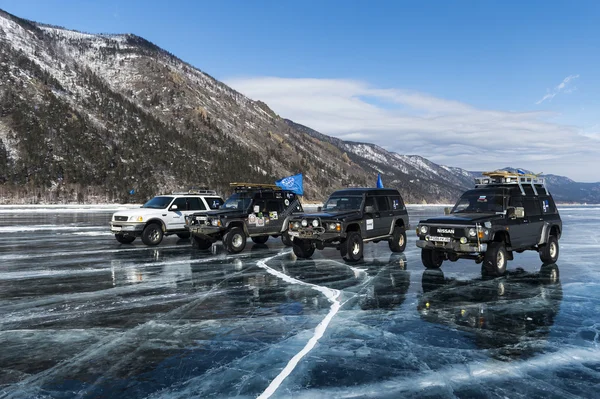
[{"x": 331, "y": 294}]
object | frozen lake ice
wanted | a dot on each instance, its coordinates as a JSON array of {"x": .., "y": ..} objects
[{"x": 84, "y": 316}]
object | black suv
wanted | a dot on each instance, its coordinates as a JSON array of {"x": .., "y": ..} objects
[
  {"x": 349, "y": 218},
  {"x": 505, "y": 213},
  {"x": 253, "y": 210}
]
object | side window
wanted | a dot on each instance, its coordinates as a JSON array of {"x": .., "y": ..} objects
[
  {"x": 195, "y": 204},
  {"x": 181, "y": 203},
  {"x": 261, "y": 204},
  {"x": 274, "y": 206},
  {"x": 382, "y": 204},
  {"x": 532, "y": 206},
  {"x": 516, "y": 201},
  {"x": 213, "y": 202},
  {"x": 397, "y": 203},
  {"x": 547, "y": 205},
  {"x": 369, "y": 201}
]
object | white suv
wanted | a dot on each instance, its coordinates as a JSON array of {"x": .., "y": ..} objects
[{"x": 162, "y": 215}]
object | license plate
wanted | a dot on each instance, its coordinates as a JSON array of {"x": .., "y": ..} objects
[
  {"x": 116, "y": 228},
  {"x": 439, "y": 239}
]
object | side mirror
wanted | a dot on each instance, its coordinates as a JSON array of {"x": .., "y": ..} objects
[
  {"x": 319, "y": 208},
  {"x": 369, "y": 209},
  {"x": 447, "y": 210},
  {"x": 173, "y": 208},
  {"x": 256, "y": 209}
]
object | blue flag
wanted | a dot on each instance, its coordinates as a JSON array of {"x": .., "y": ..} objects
[
  {"x": 379, "y": 181},
  {"x": 132, "y": 192},
  {"x": 521, "y": 172},
  {"x": 292, "y": 183}
]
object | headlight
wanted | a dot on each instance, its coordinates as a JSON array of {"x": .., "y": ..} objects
[
  {"x": 472, "y": 232},
  {"x": 296, "y": 225},
  {"x": 140, "y": 219},
  {"x": 304, "y": 222},
  {"x": 331, "y": 226},
  {"x": 208, "y": 222},
  {"x": 315, "y": 223},
  {"x": 423, "y": 229}
]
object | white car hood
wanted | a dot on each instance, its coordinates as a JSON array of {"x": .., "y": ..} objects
[{"x": 146, "y": 213}]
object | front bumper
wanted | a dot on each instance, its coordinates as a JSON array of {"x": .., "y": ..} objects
[
  {"x": 126, "y": 228},
  {"x": 318, "y": 234},
  {"x": 453, "y": 246},
  {"x": 205, "y": 231}
]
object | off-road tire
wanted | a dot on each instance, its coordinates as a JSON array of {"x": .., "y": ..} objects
[
  {"x": 124, "y": 239},
  {"x": 398, "y": 241},
  {"x": 260, "y": 239},
  {"x": 235, "y": 240},
  {"x": 549, "y": 252},
  {"x": 352, "y": 249},
  {"x": 302, "y": 248},
  {"x": 286, "y": 240},
  {"x": 183, "y": 236},
  {"x": 495, "y": 259},
  {"x": 152, "y": 234},
  {"x": 431, "y": 258},
  {"x": 201, "y": 243}
]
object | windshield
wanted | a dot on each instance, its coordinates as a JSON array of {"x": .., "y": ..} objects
[
  {"x": 239, "y": 201},
  {"x": 158, "y": 203},
  {"x": 346, "y": 203},
  {"x": 479, "y": 203}
]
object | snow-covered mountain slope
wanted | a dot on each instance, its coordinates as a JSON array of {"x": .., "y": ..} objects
[{"x": 104, "y": 114}]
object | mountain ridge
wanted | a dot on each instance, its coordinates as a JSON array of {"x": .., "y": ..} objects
[{"x": 91, "y": 117}]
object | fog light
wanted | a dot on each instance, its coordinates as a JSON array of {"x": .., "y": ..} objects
[
  {"x": 304, "y": 222},
  {"x": 315, "y": 223},
  {"x": 463, "y": 240},
  {"x": 296, "y": 225}
]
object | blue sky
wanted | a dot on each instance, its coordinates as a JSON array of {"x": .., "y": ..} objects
[{"x": 532, "y": 68}]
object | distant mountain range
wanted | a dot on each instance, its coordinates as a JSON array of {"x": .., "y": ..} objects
[{"x": 97, "y": 117}]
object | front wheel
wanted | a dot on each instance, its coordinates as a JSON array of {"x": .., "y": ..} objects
[
  {"x": 398, "y": 241},
  {"x": 303, "y": 248},
  {"x": 235, "y": 240},
  {"x": 152, "y": 234},
  {"x": 549, "y": 252},
  {"x": 495, "y": 259},
  {"x": 431, "y": 258},
  {"x": 286, "y": 240},
  {"x": 124, "y": 239},
  {"x": 352, "y": 249},
  {"x": 260, "y": 239},
  {"x": 201, "y": 243}
]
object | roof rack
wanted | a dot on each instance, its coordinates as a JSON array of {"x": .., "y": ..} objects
[
  {"x": 247, "y": 186},
  {"x": 201, "y": 191},
  {"x": 503, "y": 177}
]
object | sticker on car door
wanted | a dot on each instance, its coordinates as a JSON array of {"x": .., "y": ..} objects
[{"x": 369, "y": 224}]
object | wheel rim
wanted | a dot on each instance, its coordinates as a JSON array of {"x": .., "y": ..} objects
[
  {"x": 401, "y": 240},
  {"x": 237, "y": 240},
  {"x": 355, "y": 248},
  {"x": 553, "y": 276},
  {"x": 154, "y": 235},
  {"x": 552, "y": 250},
  {"x": 500, "y": 260}
]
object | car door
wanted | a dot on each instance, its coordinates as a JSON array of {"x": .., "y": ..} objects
[
  {"x": 533, "y": 212},
  {"x": 175, "y": 219},
  {"x": 518, "y": 228},
  {"x": 370, "y": 218},
  {"x": 383, "y": 223}
]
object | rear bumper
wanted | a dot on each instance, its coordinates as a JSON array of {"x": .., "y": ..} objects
[{"x": 453, "y": 246}]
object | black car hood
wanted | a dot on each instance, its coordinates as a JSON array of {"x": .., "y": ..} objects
[
  {"x": 327, "y": 215},
  {"x": 223, "y": 213},
  {"x": 463, "y": 218}
]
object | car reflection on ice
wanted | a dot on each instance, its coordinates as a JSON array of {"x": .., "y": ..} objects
[
  {"x": 513, "y": 314},
  {"x": 389, "y": 284}
]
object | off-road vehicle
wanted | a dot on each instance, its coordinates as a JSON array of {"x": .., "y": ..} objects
[
  {"x": 162, "y": 215},
  {"x": 505, "y": 213},
  {"x": 253, "y": 210},
  {"x": 348, "y": 219}
]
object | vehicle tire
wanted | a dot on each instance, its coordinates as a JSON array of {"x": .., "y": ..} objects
[
  {"x": 286, "y": 240},
  {"x": 431, "y": 258},
  {"x": 495, "y": 259},
  {"x": 201, "y": 243},
  {"x": 124, "y": 239},
  {"x": 549, "y": 251},
  {"x": 303, "y": 248},
  {"x": 235, "y": 240},
  {"x": 152, "y": 234},
  {"x": 260, "y": 239},
  {"x": 398, "y": 241},
  {"x": 352, "y": 249},
  {"x": 183, "y": 236},
  {"x": 549, "y": 274}
]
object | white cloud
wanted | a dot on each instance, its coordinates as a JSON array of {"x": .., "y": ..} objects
[
  {"x": 562, "y": 87},
  {"x": 445, "y": 131}
]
